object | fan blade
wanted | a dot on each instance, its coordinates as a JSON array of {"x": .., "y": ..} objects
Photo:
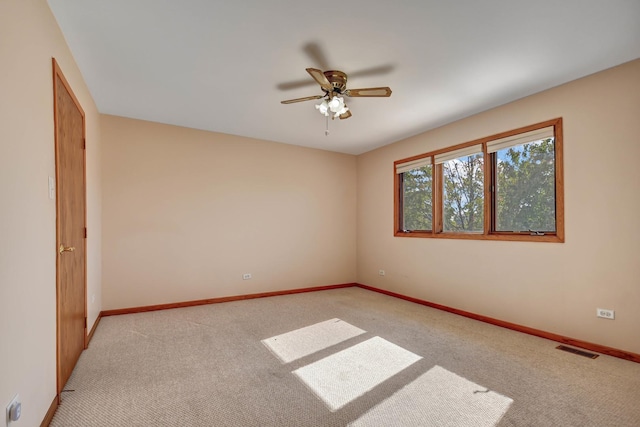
[
  {"x": 296, "y": 84},
  {"x": 306, "y": 98},
  {"x": 374, "y": 71},
  {"x": 345, "y": 115},
  {"x": 370, "y": 91},
  {"x": 319, "y": 76},
  {"x": 382, "y": 69},
  {"x": 315, "y": 52}
]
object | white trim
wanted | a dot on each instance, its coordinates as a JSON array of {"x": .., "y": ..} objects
[
  {"x": 519, "y": 139},
  {"x": 455, "y": 154},
  {"x": 414, "y": 164}
]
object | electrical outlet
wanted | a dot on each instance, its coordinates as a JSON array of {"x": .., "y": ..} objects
[
  {"x": 246, "y": 276},
  {"x": 381, "y": 272},
  {"x": 14, "y": 410},
  {"x": 605, "y": 314}
]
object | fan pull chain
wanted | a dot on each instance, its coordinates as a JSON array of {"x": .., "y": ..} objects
[{"x": 326, "y": 131}]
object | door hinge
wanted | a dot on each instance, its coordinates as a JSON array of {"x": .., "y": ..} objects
[
  {"x": 84, "y": 143},
  {"x": 85, "y": 323},
  {"x": 85, "y": 232}
]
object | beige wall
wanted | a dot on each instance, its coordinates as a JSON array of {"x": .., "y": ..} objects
[
  {"x": 187, "y": 212},
  {"x": 29, "y": 38},
  {"x": 553, "y": 287}
]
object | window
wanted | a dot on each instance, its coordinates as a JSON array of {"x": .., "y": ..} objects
[
  {"x": 503, "y": 187},
  {"x": 462, "y": 189},
  {"x": 416, "y": 180},
  {"x": 524, "y": 182}
]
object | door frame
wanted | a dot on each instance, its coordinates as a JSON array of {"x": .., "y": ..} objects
[{"x": 57, "y": 74}]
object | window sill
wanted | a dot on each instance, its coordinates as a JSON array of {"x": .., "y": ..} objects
[{"x": 511, "y": 237}]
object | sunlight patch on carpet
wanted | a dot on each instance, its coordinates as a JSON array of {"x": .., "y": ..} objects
[
  {"x": 439, "y": 398},
  {"x": 308, "y": 340},
  {"x": 344, "y": 376}
]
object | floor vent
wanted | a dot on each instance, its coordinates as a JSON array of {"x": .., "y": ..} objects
[{"x": 578, "y": 352}]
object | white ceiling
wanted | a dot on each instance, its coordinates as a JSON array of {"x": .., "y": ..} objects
[{"x": 218, "y": 65}]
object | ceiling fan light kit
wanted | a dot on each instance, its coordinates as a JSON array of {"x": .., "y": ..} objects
[
  {"x": 336, "y": 106},
  {"x": 334, "y": 85}
]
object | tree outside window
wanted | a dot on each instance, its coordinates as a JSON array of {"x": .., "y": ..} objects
[
  {"x": 463, "y": 194},
  {"x": 503, "y": 187}
]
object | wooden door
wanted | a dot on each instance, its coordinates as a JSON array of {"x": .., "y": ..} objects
[{"x": 70, "y": 226}]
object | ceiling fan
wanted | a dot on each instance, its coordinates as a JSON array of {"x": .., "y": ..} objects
[{"x": 334, "y": 85}]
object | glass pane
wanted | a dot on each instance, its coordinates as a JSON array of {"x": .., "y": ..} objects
[
  {"x": 417, "y": 198},
  {"x": 463, "y": 194},
  {"x": 525, "y": 187}
]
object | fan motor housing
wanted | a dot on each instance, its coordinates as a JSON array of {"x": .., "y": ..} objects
[{"x": 338, "y": 80}]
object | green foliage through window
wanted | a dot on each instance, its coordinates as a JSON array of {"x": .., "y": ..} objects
[
  {"x": 502, "y": 187},
  {"x": 525, "y": 187},
  {"x": 418, "y": 198},
  {"x": 463, "y": 194}
]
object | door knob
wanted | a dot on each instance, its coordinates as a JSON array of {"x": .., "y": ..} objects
[{"x": 67, "y": 249}]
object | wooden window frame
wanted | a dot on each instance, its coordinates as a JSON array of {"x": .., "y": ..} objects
[
  {"x": 489, "y": 232},
  {"x": 399, "y": 194}
]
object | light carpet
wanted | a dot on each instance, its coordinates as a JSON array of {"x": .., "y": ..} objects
[{"x": 389, "y": 362}]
